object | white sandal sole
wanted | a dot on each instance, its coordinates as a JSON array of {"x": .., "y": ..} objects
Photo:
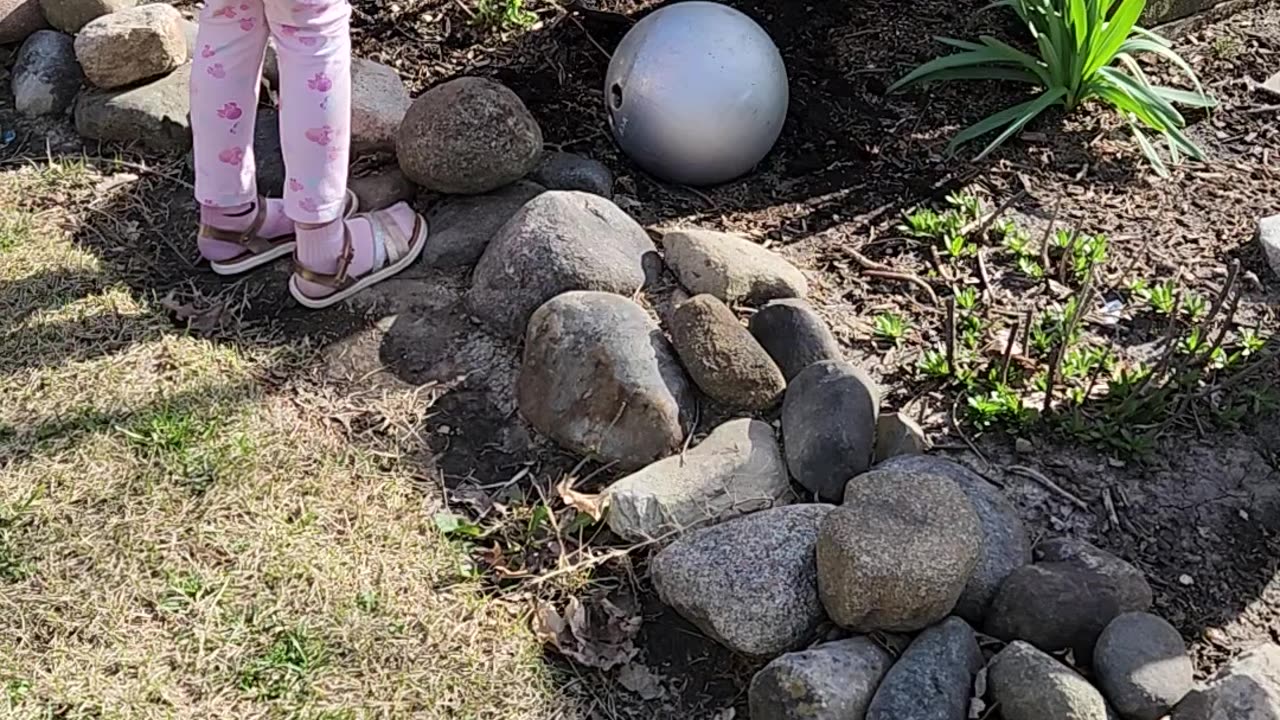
[
  {"x": 256, "y": 261},
  {"x": 418, "y": 243}
]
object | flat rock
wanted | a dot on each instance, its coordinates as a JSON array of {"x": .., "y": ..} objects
[
  {"x": 722, "y": 357},
  {"x": 71, "y": 15},
  {"x": 46, "y": 76},
  {"x": 1054, "y": 606},
  {"x": 933, "y": 679},
  {"x": 1142, "y": 666},
  {"x": 557, "y": 242},
  {"x": 730, "y": 267},
  {"x": 468, "y": 135},
  {"x": 793, "y": 335},
  {"x": 155, "y": 114},
  {"x": 1125, "y": 580},
  {"x": 737, "y": 469},
  {"x": 461, "y": 227},
  {"x": 382, "y": 190},
  {"x": 18, "y": 19},
  {"x": 379, "y": 101},
  {"x": 897, "y": 554},
  {"x": 1030, "y": 685},
  {"x": 566, "y": 171},
  {"x": 599, "y": 378},
  {"x": 833, "y": 681},
  {"x": 750, "y": 583},
  {"x": 829, "y": 425},
  {"x": 1269, "y": 236},
  {"x": 898, "y": 434},
  {"x": 1247, "y": 688},
  {"x": 1005, "y": 545},
  {"x": 132, "y": 45}
]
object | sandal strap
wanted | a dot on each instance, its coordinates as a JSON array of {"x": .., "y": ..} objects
[
  {"x": 247, "y": 238},
  {"x": 393, "y": 239},
  {"x": 339, "y": 279},
  {"x": 385, "y": 231}
]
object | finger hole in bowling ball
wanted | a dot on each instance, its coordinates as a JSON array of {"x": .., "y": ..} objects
[{"x": 615, "y": 96}]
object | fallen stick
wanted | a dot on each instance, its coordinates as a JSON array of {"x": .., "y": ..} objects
[{"x": 1049, "y": 484}]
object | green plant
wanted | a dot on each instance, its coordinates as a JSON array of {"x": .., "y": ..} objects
[
  {"x": 287, "y": 667},
  {"x": 1081, "y": 46},
  {"x": 1195, "y": 305},
  {"x": 504, "y": 14},
  {"x": 967, "y": 299},
  {"x": 967, "y": 204},
  {"x": 934, "y": 364},
  {"x": 891, "y": 327},
  {"x": 1162, "y": 297},
  {"x": 957, "y": 246},
  {"x": 1225, "y": 47},
  {"x": 1002, "y": 404}
]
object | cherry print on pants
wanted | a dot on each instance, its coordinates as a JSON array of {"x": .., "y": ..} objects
[
  {"x": 309, "y": 204},
  {"x": 295, "y": 186},
  {"x": 226, "y": 12},
  {"x": 320, "y": 135},
  {"x": 246, "y": 24},
  {"x": 217, "y": 71},
  {"x": 207, "y": 52},
  {"x": 320, "y": 83},
  {"x": 230, "y": 111},
  {"x": 232, "y": 156}
]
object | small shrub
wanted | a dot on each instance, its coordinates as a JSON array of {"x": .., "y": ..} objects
[
  {"x": 890, "y": 327},
  {"x": 504, "y": 14}
]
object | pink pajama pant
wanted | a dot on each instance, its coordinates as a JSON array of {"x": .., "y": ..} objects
[{"x": 313, "y": 43}]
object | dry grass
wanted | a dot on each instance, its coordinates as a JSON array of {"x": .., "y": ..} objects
[{"x": 185, "y": 535}]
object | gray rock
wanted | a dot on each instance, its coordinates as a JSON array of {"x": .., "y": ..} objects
[
  {"x": 829, "y": 425},
  {"x": 566, "y": 171},
  {"x": 833, "y": 681},
  {"x": 933, "y": 680},
  {"x": 132, "y": 45},
  {"x": 793, "y": 335},
  {"x": 18, "y": 19},
  {"x": 1005, "y": 546},
  {"x": 897, "y": 434},
  {"x": 155, "y": 114},
  {"x": 1142, "y": 666},
  {"x": 559, "y": 241},
  {"x": 722, "y": 357},
  {"x": 599, "y": 378},
  {"x": 1053, "y": 606},
  {"x": 468, "y": 135},
  {"x": 1247, "y": 688},
  {"x": 1269, "y": 236},
  {"x": 379, "y": 101},
  {"x": 730, "y": 267},
  {"x": 382, "y": 190},
  {"x": 1030, "y": 685},
  {"x": 750, "y": 583},
  {"x": 1126, "y": 581},
  {"x": 737, "y": 469},
  {"x": 897, "y": 554},
  {"x": 46, "y": 76},
  {"x": 71, "y": 15},
  {"x": 462, "y": 227}
]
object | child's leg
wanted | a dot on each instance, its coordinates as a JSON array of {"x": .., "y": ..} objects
[{"x": 225, "y": 76}]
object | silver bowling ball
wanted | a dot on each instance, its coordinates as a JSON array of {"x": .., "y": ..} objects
[{"x": 696, "y": 93}]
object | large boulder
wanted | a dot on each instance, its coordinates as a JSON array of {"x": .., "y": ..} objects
[
  {"x": 18, "y": 19},
  {"x": 566, "y": 171},
  {"x": 833, "y": 681},
  {"x": 722, "y": 357},
  {"x": 934, "y": 677},
  {"x": 463, "y": 226},
  {"x": 897, "y": 554},
  {"x": 793, "y": 335},
  {"x": 155, "y": 114},
  {"x": 1142, "y": 666},
  {"x": 1005, "y": 545},
  {"x": 379, "y": 101},
  {"x": 71, "y": 15},
  {"x": 750, "y": 583},
  {"x": 1247, "y": 688},
  {"x": 1030, "y": 685},
  {"x": 1126, "y": 581},
  {"x": 557, "y": 242},
  {"x": 737, "y": 469},
  {"x": 730, "y": 267},
  {"x": 46, "y": 76},
  {"x": 829, "y": 425},
  {"x": 468, "y": 135},
  {"x": 599, "y": 378},
  {"x": 131, "y": 45}
]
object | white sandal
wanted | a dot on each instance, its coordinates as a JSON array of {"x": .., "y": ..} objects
[
  {"x": 395, "y": 253},
  {"x": 258, "y": 251}
]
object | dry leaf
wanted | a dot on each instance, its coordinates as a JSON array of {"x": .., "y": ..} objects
[
  {"x": 640, "y": 680},
  {"x": 601, "y": 635},
  {"x": 203, "y": 320},
  {"x": 593, "y": 505}
]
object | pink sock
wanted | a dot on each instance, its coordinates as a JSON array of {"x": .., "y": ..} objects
[{"x": 276, "y": 224}]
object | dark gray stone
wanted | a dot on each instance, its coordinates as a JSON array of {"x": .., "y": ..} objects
[
  {"x": 155, "y": 115},
  {"x": 933, "y": 680},
  {"x": 1005, "y": 546},
  {"x": 469, "y": 135},
  {"x": 18, "y": 19},
  {"x": 897, "y": 554},
  {"x": 70, "y": 16},
  {"x": 46, "y": 76},
  {"x": 599, "y": 378},
  {"x": 1054, "y": 606},
  {"x": 1142, "y": 666},
  {"x": 750, "y": 583},
  {"x": 722, "y": 357},
  {"x": 898, "y": 434},
  {"x": 566, "y": 171},
  {"x": 461, "y": 227},
  {"x": 1247, "y": 688},
  {"x": 1030, "y": 685},
  {"x": 1126, "y": 581},
  {"x": 793, "y": 335},
  {"x": 382, "y": 190},
  {"x": 829, "y": 426},
  {"x": 732, "y": 268},
  {"x": 833, "y": 681},
  {"x": 557, "y": 242}
]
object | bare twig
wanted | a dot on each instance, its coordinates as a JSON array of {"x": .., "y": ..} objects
[
  {"x": 951, "y": 336},
  {"x": 1048, "y": 484},
  {"x": 1008, "y": 353},
  {"x": 1083, "y": 300},
  {"x": 875, "y": 269}
]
